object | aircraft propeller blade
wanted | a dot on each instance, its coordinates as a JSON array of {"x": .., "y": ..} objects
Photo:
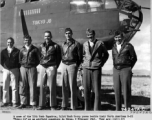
[
  {"x": 24, "y": 26},
  {"x": 145, "y": 8},
  {"x": 108, "y": 41}
]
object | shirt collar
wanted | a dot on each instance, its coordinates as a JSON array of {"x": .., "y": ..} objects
[
  {"x": 122, "y": 43},
  {"x": 71, "y": 41},
  {"x": 50, "y": 43},
  {"x": 8, "y": 48},
  {"x": 28, "y": 47},
  {"x": 119, "y": 44},
  {"x": 93, "y": 41}
]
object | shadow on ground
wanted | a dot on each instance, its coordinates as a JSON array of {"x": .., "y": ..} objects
[
  {"x": 107, "y": 99},
  {"x": 140, "y": 100}
]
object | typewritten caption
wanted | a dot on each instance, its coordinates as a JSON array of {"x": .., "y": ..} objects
[{"x": 73, "y": 117}]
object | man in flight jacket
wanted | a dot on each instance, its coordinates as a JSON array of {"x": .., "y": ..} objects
[
  {"x": 124, "y": 59},
  {"x": 94, "y": 57}
]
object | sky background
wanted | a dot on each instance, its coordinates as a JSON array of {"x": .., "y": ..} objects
[{"x": 141, "y": 41}]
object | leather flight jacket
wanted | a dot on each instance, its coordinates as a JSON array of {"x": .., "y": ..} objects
[
  {"x": 71, "y": 52},
  {"x": 29, "y": 58},
  {"x": 50, "y": 54},
  {"x": 95, "y": 58},
  {"x": 12, "y": 61},
  {"x": 126, "y": 57}
]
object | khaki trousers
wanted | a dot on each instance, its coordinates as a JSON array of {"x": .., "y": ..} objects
[
  {"x": 12, "y": 76},
  {"x": 122, "y": 81},
  {"x": 69, "y": 79},
  {"x": 48, "y": 75},
  {"x": 28, "y": 84},
  {"x": 92, "y": 81}
]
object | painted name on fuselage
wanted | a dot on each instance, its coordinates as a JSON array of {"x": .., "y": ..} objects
[
  {"x": 39, "y": 22},
  {"x": 31, "y": 12}
]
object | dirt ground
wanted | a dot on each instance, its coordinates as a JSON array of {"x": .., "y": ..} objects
[{"x": 140, "y": 95}]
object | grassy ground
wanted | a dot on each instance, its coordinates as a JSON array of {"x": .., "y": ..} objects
[{"x": 140, "y": 94}]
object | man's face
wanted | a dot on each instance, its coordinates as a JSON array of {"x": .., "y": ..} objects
[
  {"x": 90, "y": 36},
  {"x": 27, "y": 41},
  {"x": 118, "y": 39},
  {"x": 47, "y": 37},
  {"x": 10, "y": 43},
  {"x": 68, "y": 35}
]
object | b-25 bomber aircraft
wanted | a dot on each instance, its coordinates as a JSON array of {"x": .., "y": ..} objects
[
  {"x": 103, "y": 16},
  {"x": 33, "y": 17}
]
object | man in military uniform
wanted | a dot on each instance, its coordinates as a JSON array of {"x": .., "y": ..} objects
[
  {"x": 50, "y": 58},
  {"x": 10, "y": 63},
  {"x": 94, "y": 57},
  {"x": 124, "y": 59},
  {"x": 29, "y": 59},
  {"x": 71, "y": 59}
]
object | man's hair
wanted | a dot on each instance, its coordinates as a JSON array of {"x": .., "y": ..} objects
[
  {"x": 27, "y": 37},
  {"x": 118, "y": 32},
  {"x": 49, "y": 33},
  {"x": 89, "y": 31},
  {"x": 68, "y": 29},
  {"x": 10, "y": 38}
]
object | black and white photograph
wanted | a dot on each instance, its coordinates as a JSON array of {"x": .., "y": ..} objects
[{"x": 75, "y": 59}]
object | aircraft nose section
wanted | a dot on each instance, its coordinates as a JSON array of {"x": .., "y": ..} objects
[
  {"x": 130, "y": 17},
  {"x": 2, "y": 3}
]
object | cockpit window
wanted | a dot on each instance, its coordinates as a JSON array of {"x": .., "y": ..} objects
[
  {"x": 25, "y": 1},
  {"x": 110, "y": 4},
  {"x": 78, "y": 6},
  {"x": 83, "y": 6},
  {"x": 95, "y": 5},
  {"x": 2, "y": 4}
]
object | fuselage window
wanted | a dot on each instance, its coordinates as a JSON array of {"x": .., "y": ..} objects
[
  {"x": 34, "y": 0},
  {"x": 2, "y": 3},
  {"x": 20, "y": 1},
  {"x": 110, "y": 4},
  {"x": 78, "y": 6},
  {"x": 95, "y": 5}
]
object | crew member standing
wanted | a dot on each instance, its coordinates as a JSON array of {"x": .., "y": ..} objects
[
  {"x": 29, "y": 59},
  {"x": 10, "y": 63},
  {"x": 71, "y": 59},
  {"x": 50, "y": 58},
  {"x": 94, "y": 57},
  {"x": 124, "y": 59}
]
